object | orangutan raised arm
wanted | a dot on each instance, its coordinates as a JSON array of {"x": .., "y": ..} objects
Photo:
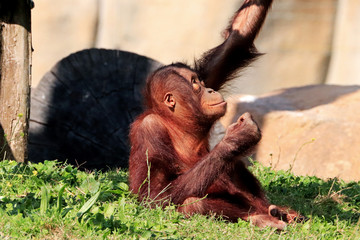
[{"x": 220, "y": 64}]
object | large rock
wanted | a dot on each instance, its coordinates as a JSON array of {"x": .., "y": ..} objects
[{"x": 312, "y": 130}]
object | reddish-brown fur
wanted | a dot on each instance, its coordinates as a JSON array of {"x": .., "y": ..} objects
[{"x": 170, "y": 159}]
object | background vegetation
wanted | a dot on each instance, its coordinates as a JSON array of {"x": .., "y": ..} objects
[{"x": 57, "y": 201}]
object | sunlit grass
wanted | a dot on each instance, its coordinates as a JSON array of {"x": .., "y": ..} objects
[{"x": 57, "y": 201}]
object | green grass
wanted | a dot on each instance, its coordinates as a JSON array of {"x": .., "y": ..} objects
[{"x": 56, "y": 201}]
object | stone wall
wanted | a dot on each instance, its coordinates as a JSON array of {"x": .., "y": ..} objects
[
  {"x": 297, "y": 41},
  {"x": 344, "y": 67},
  {"x": 305, "y": 41},
  {"x": 60, "y": 28}
]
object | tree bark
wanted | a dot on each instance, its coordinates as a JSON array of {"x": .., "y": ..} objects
[{"x": 15, "y": 77}]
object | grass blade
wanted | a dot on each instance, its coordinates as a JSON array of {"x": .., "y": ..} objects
[
  {"x": 44, "y": 204},
  {"x": 88, "y": 204},
  {"x": 59, "y": 202}
]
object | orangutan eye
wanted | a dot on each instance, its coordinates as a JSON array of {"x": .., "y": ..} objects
[
  {"x": 193, "y": 80},
  {"x": 195, "y": 84}
]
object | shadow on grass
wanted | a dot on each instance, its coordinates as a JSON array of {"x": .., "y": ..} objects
[
  {"x": 20, "y": 205},
  {"x": 330, "y": 200}
]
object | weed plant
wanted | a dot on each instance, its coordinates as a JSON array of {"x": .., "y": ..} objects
[{"x": 57, "y": 201}]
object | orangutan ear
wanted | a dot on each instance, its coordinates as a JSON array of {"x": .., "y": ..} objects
[{"x": 169, "y": 100}]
